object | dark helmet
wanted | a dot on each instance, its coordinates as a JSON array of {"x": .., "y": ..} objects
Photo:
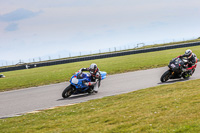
[
  {"x": 93, "y": 68},
  {"x": 188, "y": 53}
]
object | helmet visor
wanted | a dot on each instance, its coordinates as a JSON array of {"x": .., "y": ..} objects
[
  {"x": 91, "y": 70},
  {"x": 190, "y": 56}
]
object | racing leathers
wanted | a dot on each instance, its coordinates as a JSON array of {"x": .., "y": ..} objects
[
  {"x": 95, "y": 74},
  {"x": 191, "y": 64}
]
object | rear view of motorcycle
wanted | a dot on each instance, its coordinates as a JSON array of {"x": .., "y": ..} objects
[
  {"x": 177, "y": 69},
  {"x": 81, "y": 83}
]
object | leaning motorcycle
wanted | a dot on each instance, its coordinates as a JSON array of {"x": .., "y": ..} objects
[
  {"x": 177, "y": 69},
  {"x": 78, "y": 84}
]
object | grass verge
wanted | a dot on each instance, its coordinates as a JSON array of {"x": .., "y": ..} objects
[
  {"x": 147, "y": 46},
  {"x": 165, "y": 108},
  {"x": 60, "y": 73}
]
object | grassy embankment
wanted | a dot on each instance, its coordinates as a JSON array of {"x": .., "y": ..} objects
[
  {"x": 59, "y": 73},
  {"x": 165, "y": 108},
  {"x": 148, "y": 46}
]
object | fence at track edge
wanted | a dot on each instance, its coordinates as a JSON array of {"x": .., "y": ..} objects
[{"x": 100, "y": 56}]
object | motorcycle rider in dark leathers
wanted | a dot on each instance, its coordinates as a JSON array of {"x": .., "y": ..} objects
[
  {"x": 95, "y": 74},
  {"x": 192, "y": 60}
]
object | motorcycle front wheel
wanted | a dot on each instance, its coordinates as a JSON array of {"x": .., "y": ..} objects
[
  {"x": 67, "y": 91},
  {"x": 165, "y": 76}
]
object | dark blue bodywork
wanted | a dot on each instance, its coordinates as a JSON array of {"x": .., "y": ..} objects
[{"x": 78, "y": 79}]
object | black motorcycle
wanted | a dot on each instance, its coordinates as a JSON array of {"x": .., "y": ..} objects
[{"x": 177, "y": 69}]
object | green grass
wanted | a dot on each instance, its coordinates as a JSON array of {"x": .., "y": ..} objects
[
  {"x": 60, "y": 73},
  {"x": 171, "y": 43},
  {"x": 161, "y": 109}
]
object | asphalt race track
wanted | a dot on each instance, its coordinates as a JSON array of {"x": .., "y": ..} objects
[{"x": 18, "y": 102}]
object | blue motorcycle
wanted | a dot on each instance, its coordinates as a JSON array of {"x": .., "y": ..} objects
[{"x": 78, "y": 84}]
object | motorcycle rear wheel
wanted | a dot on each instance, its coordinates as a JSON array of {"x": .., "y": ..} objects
[
  {"x": 67, "y": 92},
  {"x": 186, "y": 76},
  {"x": 165, "y": 76}
]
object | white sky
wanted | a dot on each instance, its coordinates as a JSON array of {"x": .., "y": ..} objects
[{"x": 38, "y": 28}]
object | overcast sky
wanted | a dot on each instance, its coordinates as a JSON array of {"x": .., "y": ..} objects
[{"x": 37, "y": 28}]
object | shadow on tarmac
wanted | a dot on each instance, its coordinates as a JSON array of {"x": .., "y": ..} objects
[
  {"x": 76, "y": 96},
  {"x": 173, "y": 81}
]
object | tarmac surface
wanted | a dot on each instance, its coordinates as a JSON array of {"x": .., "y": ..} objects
[{"x": 19, "y": 102}]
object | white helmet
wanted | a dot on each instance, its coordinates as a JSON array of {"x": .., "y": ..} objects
[
  {"x": 188, "y": 53},
  {"x": 93, "y": 67}
]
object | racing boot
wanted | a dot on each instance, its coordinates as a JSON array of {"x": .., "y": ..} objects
[
  {"x": 96, "y": 88},
  {"x": 90, "y": 90}
]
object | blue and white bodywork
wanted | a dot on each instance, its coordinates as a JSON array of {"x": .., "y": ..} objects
[{"x": 79, "y": 83}]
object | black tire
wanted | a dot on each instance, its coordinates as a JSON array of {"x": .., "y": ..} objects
[
  {"x": 165, "y": 76},
  {"x": 186, "y": 76},
  {"x": 90, "y": 90},
  {"x": 67, "y": 91}
]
